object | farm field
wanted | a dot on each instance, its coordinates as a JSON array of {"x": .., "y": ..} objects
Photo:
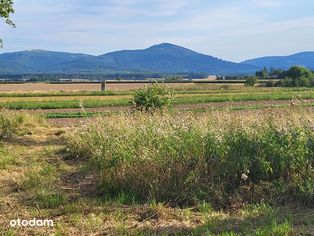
[
  {"x": 44, "y": 87},
  {"x": 201, "y": 94},
  {"x": 224, "y": 161}
]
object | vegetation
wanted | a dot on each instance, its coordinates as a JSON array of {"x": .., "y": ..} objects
[
  {"x": 188, "y": 89},
  {"x": 296, "y": 76},
  {"x": 251, "y": 81},
  {"x": 185, "y": 97},
  {"x": 13, "y": 122},
  {"x": 6, "y": 9},
  {"x": 96, "y": 77},
  {"x": 263, "y": 74},
  {"x": 215, "y": 158},
  {"x": 153, "y": 97},
  {"x": 213, "y": 171}
]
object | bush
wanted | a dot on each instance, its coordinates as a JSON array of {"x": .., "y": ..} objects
[
  {"x": 188, "y": 158},
  {"x": 251, "y": 81},
  {"x": 153, "y": 97}
]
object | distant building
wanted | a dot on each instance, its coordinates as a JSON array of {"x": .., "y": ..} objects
[{"x": 212, "y": 77}]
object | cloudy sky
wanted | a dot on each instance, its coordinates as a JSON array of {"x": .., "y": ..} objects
[{"x": 229, "y": 29}]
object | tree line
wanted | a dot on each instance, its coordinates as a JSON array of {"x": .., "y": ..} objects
[{"x": 295, "y": 76}]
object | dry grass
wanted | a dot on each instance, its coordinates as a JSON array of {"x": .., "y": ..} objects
[
  {"x": 39, "y": 87},
  {"x": 44, "y": 183},
  {"x": 218, "y": 157}
]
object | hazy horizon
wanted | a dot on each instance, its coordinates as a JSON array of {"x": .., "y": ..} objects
[{"x": 232, "y": 30}]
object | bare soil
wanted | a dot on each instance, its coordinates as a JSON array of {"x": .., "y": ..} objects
[{"x": 43, "y": 87}]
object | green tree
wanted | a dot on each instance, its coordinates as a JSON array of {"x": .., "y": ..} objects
[
  {"x": 6, "y": 9},
  {"x": 251, "y": 81},
  {"x": 263, "y": 74},
  {"x": 276, "y": 73},
  {"x": 296, "y": 72}
]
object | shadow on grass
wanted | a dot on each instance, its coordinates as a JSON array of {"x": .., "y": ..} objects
[{"x": 259, "y": 220}]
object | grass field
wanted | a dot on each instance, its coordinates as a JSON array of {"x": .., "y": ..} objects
[
  {"x": 224, "y": 161},
  {"x": 185, "y": 97}
]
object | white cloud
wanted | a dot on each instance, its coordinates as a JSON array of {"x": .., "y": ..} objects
[{"x": 231, "y": 29}]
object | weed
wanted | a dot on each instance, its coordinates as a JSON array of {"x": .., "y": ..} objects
[{"x": 186, "y": 158}]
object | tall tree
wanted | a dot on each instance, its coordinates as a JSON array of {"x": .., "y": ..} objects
[
  {"x": 263, "y": 74},
  {"x": 6, "y": 9}
]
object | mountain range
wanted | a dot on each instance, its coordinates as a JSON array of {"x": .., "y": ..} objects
[
  {"x": 162, "y": 58},
  {"x": 284, "y": 62}
]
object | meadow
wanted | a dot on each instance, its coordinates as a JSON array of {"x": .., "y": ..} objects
[
  {"x": 46, "y": 101},
  {"x": 241, "y": 167}
]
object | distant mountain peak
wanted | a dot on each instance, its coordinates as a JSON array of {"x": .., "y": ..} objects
[
  {"x": 161, "y": 58},
  {"x": 36, "y": 50},
  {"x": 168, "y": 46},
  {"x": 164, "y": 45}
]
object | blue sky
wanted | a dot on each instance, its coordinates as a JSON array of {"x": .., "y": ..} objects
[{"x": 229, "y": 29}]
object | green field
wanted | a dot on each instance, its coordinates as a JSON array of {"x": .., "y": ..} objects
[{"x": 23, "y": 102}]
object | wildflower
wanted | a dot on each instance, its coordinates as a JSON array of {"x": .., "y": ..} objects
[{"x": 244, "y": 177}]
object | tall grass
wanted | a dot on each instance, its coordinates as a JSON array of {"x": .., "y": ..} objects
[
  {"x": 218, "y": 157},
  {"x": 12, "y": 122}
]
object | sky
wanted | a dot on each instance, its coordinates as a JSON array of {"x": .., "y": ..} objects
[{"x": 229, "y": 29}]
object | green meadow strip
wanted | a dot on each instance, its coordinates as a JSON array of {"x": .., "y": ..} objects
[
  {"x": 60, "y": 115},
  {"x": 194, "y": 99},
  {"x": 64, "y": 94},
  {"x": 62, "y": 104}
]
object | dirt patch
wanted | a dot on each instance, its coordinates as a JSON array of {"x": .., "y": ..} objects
[
  {"x": 40, "y": 87},
  {"x": 43, "y": 87}
]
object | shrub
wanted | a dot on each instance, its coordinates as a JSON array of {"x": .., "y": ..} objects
[
  {"x": 186, "y": 158},
  {"x": 153, "y": 97},
  {"x": 251, "y": 81}
]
